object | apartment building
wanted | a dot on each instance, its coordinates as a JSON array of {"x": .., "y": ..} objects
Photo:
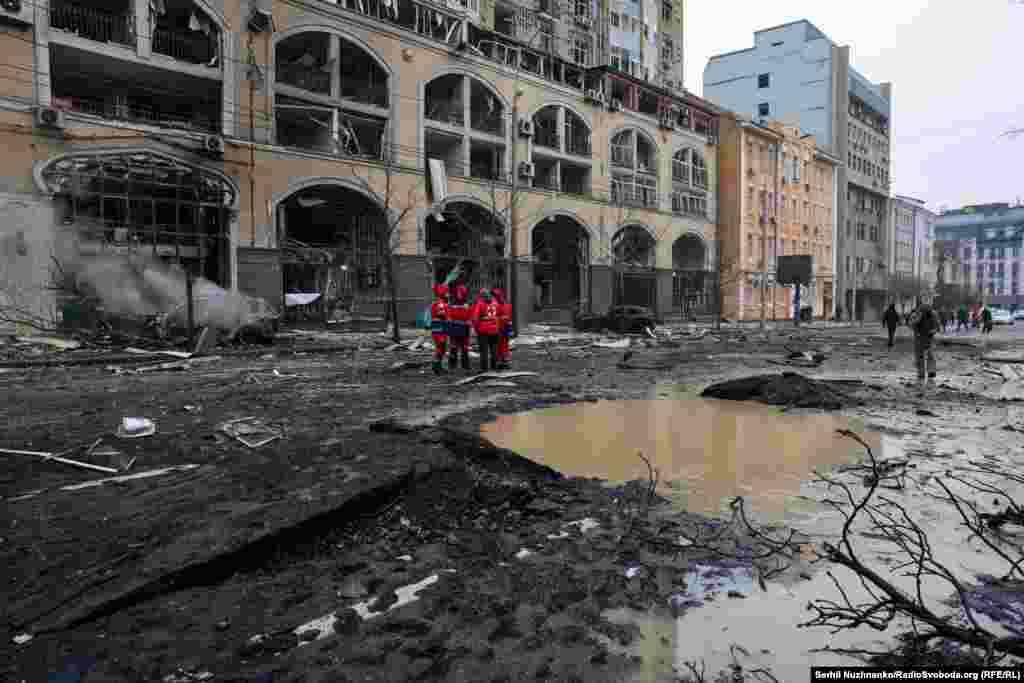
[
  {"x": 273, "y": 147},
  {"x": 778, "y": 192},
  {"x": 979, "y": 247},
  {"x": 912, "y": 238},
  {"x": 795, "y": 74}
]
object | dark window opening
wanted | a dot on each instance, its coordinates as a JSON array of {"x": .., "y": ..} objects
[{"x": 764, "y": 80}]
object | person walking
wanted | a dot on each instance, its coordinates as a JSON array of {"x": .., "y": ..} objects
[
  {"x": 986, "y": 320},
  {"x": 485, "y": 322},
  {"x": 439, "y": 326},
  {"x": 925, "y": 324},
  {"x": 961, "y": 319},
  {"x": 891, "y": 320},
  {"x": 458, "y": 328}
]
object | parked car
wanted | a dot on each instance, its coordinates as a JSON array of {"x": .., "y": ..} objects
[
  {"x": 1018, "y": 315},
  {"x": 618, "y": 319},
  {"x": 1001, "y": 317}
]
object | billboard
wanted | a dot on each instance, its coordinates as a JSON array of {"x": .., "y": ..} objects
[{"x": 793, "y": 270}]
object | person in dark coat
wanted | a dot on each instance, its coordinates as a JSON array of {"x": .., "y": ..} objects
[{"x": 891, "y": 320}]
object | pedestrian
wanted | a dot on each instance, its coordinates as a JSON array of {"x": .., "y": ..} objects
[
  {"x": 485, "y": 322},
  {"x": 439, "y": 326},
  {"x": 458, "y": 328},
  {"x": 925, "y": 324},
  {"x": 891, "y": 320},
  {"x": 505, "y": 329},
  {"x": 986, "y": 320},
  {"x": 961, "y": 319}
]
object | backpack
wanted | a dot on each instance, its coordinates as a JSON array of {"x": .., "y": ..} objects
[{"x": 926, "y": 323}]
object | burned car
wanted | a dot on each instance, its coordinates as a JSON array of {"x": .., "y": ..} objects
[{"x": 620, "y": 319}]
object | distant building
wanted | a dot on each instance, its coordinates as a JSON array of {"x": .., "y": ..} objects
[
  {"x": 979, "y": 246},
  {"x": 777, "y": 192},
  {"x": 796, "y": 74},
  {"x": 912, "y": 237}
]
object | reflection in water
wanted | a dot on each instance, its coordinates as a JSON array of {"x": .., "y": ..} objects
[{"x": 706, "y": 451}]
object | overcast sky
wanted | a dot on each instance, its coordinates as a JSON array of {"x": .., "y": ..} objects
[{"x": 957, "y": 70}]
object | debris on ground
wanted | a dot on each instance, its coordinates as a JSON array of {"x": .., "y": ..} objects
[
  {"x": 186, "y": 676},
  {"x": 250, "y": 431},
  {"x": 22, "y": 638},
  {"x": 495, "y": 376},
  {"x": 616, "y": 344},
  {"x": 136, "y": 427},
  {"x": 108, "y": 480},
  {"x": 54, "y": 343},
  {"x": 788, "y": 389},
  {"x": 407, "y": 365},
  {"x": 57, "y": 458}
]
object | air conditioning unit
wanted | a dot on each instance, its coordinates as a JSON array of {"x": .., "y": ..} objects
[
  {"x": 48, "y": 117},
  {"x": 214, "y": 144},
  {"x": 525, "y": 169},
  {"x": 595, "y": 96},
  {"x": 582, "y": 20},
  {"x": 616, "y": 105},
  {"x": 667, "y": 121},
  {"x": 17, "y": 13},
  {"x": 526, "y": 127}
]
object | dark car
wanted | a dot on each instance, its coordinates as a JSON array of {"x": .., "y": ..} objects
[{"x": 630, "y": 318}]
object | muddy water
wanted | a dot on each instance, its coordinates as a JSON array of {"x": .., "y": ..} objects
[{"x": 706, "y": 451}]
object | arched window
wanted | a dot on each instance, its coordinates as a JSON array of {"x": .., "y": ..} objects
[
  {"x": 353, "y": 119},
  {"x": 465, "y": 127},
  {"x": 561, "y": 150},
  {"x": 632, "y": 246},
  {"x": 141, "y": 202},
  {"x": 689, "y": 183},
  {"x": 634, "y": 162}
]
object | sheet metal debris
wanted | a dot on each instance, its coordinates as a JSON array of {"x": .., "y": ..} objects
[
  {"x": 57, "y": 458},
  {"x": 250, "y": 431},
  {"x": 494, "y": 375},
  {"x": 136, "y": 427},
  {"x": 94, "y": 483}
]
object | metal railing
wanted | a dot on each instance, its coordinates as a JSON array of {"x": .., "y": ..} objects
[
  {"x": 623, "y": 155},
  {"x": 94, "y": 24},
  {"x": 577, "y": 144},
  {"x": 546, "y": 137},
  {"x": 184, "y": 47}
]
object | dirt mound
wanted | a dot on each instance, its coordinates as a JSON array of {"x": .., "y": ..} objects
[{"x": 788, "y": 389}]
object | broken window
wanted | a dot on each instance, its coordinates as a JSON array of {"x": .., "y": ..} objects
[
  {"x": 142, "y": 202},
  {"x": 330, "y": 130},
  {"x": 561, "y": 260},
  {"x": 764, "y": 81},
  {"x": 635, "y": 181},
  {"x": 470, "y": 236},
  {"x": 689, "y": 169},
  {"x": 633, "y": 246},
  {"x": 667, "y": 10},
  {"x": 581, "y": 48},
  {"x": 181, "y": 30}
]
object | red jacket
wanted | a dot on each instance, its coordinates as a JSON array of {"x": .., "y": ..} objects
[
  {"x": 485, "y": 317},
  {"x": 459, "y": 315}
]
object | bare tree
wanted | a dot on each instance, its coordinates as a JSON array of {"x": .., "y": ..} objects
[{"x": 932, "y": 628}]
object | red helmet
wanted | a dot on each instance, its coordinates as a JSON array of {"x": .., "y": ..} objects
[
  {"x": 461, "y": 293},
  {"x": 441, "y": 291},
  {"x": 499, "y": 294}
]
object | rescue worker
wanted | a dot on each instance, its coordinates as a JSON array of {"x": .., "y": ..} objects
[
  {"x": 925, "y": 324},
  {"x": 439, "y": 326},
  {"x": 961, "y": 319},
  {"x": 505, "y": 328},
  {"x": 986, "y": 320},
  {"x": 458, "y": 328},
  {"x": 485, "y": 322},
  {"x": 891, "y": 320}
]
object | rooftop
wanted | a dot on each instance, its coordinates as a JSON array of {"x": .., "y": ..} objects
[{"x": 812, "y": 33}]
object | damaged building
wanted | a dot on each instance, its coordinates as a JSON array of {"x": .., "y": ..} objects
[{"x": 305, "y": 153}]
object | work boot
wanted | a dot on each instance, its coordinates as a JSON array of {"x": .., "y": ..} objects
[
  {"x": 465, "y": 361},
  {"x": 453, "y": 362}
]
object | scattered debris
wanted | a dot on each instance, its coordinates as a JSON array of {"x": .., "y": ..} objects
[
  {"x": 326, "y": 625},
  {"x": 146, "y": 474},
  {"x": 22, "y": 638},
  {"x": 617, "y": 344},
  {"x": 136, "y": 427},
  {"x": 494, "y": 375},
  {"x": 52, "y": 342},
  {"x": 523, "y": 554},
  {"x": 250, "y": 431},
  {"x": 65, "y": 461},
  {"x": 788, "y": 389},
  {"x": 407, "y": 365},
  {"x": 1003, "y": 357},
  {"x": 206, "y": 340},
  {"x": 163, "y": 352},
  {"x": 921, "y": 412},
  {"x": 184, "y": 676}
]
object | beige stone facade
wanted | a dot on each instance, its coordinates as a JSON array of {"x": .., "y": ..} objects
[
  {"x": 778, "y": 195},
  {"x": 320, "y": 128}
]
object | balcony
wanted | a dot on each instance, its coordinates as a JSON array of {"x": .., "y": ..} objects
[
  {"x": 94, "y": 24},
  {"x": 577, "y": 142},
  {"x": 623, "y": 155},
  {"x": 194, "y": 47},
  {"x": 546, "y": 136}
]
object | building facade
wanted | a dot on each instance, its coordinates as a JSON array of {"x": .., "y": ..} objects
[
  {"x": 777, "y": 191},
  {"x": 274, "y": 147},
  {"x": 979, "y": 248},
  {"x": 797, "y": 75},
  {"x": 912, "y": 241}
]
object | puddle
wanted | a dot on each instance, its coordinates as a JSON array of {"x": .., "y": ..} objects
[{"x": 707, "y": 451}]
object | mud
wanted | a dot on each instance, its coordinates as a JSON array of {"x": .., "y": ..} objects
[
  {"x": 500, "y": 615},
  {"x": 788, "y": 389}
]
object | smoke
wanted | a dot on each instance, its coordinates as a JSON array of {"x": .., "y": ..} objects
[{"x": 138, "y": 285}]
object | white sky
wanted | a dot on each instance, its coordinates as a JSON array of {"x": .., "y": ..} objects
[{"x": 957, "y": 70}]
